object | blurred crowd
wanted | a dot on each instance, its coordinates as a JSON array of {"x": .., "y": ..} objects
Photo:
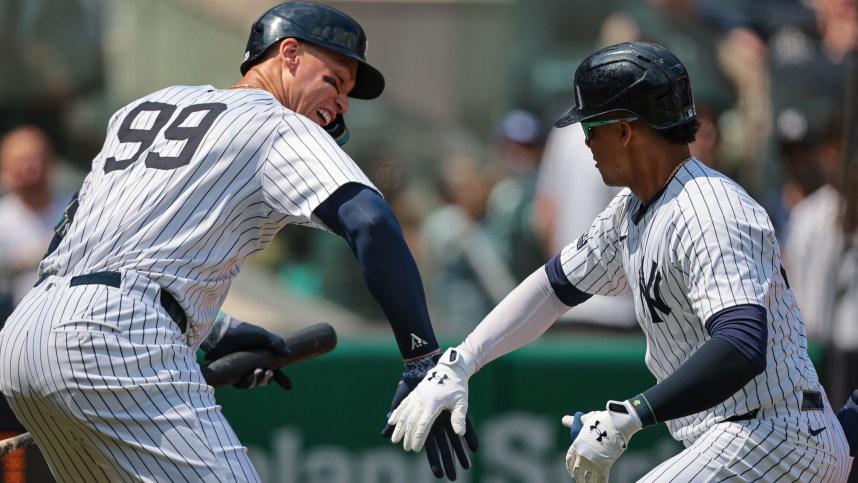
[{"x": 775, "y": 89}]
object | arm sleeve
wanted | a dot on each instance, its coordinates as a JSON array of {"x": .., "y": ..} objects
[
  {"x": 522, "y": 316},
  {"x": 361, "y": 216},
  {"x": 734, "y": 355}
]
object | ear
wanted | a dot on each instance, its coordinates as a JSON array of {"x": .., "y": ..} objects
[
  {"x": 289, "y": 53},
  {"x": 625, "y": 133}
]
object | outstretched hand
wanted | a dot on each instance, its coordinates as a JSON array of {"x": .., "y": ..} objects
[{"x": 443, "y": 440}]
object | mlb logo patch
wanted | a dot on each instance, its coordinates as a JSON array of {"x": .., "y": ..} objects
[{"x": 583, "y": 240}]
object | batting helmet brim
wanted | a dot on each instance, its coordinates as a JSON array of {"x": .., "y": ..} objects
[
  {"x": 575, "y": 115},
  {"x": 578, "y": 113},
  {"x": 369, "y": 82}
]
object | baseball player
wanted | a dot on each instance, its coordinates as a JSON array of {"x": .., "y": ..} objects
[
  {"x": 725, "y": 339},
  {"x": 99, "y": 359}
]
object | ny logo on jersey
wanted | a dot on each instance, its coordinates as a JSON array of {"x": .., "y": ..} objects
[{"x": 650, "y": 289}]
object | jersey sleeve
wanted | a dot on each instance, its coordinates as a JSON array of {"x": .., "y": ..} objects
[
  {"x": 726, "y": 252},
  {"x": 594, "y": 262},
  {"x": 304, "y": 166}
]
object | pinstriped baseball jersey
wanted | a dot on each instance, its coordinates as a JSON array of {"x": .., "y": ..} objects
[
  {"x": 701, "y": 246},
  {"x": 190, "y": 182}
]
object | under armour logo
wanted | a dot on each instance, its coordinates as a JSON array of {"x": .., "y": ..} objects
[
  {"x": 440, "y": 379},
  {"x": 416, "y": 341},
  {"x": 650, "y": 288},
  {"x": 599, "y": 433}
]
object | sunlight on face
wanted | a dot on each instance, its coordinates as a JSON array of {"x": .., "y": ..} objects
[{"x": 324, "y": 80}]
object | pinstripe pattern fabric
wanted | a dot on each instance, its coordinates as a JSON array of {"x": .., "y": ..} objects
[
  {"x": 770, "y": 450},
  {"x": 258, "y": 167},
  {"x": 701, "y": 246},
  {"x": 145, "y": 414},
  {"x": 189, "y": 183}
]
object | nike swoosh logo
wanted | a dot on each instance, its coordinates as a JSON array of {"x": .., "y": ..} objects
[{"x": 815, "y": 432}]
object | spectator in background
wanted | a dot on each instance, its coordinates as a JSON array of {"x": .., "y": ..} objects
[
  {"x": 518, "y": 142},
  {"x": 821, "y": 259},
  {"x": 29, "y": 209},
  {"x": 802, "y": 143},
  {"x": 464, "y": 272},
  {"x": 813, "y": 241},
  {"x": 780, "y": 53}
]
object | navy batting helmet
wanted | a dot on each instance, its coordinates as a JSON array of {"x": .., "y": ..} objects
[
  {"x": 320, "y": 25},
  {"x": 642, "y": 78}
]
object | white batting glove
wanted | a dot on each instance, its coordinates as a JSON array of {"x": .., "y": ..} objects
[
  {"x": 444, "y": 387},
  {"x": 599, "y": 438}
]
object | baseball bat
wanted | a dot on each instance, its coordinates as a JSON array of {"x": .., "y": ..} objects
[
  {"x": 303, "y": 344},
  {"x": 15, "y": 443}
]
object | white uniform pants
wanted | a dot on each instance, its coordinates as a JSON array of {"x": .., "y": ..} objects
[
  {"x": 808, "y": 448},
  {"x": 104, "y": 381}
]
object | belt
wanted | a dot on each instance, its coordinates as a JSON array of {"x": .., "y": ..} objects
[
  {"x": 114, "y": 279},
  {"x": 810, "y": 401}
]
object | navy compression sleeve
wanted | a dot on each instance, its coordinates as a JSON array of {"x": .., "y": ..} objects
[
  {"x": 723, "y": 365},
  {"x": 361, "y": 216}
]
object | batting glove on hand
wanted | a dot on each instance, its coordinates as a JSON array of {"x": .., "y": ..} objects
[
  {"x": 598, "y": 439},
  {"x": 443, "y": 439},
  {"x": 232, "y": 335}
]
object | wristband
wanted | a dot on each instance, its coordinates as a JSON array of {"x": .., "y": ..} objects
[{"x": 643, "y": 410}]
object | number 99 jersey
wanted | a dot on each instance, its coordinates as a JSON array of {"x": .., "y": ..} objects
[{"x": 191, "y": 180}]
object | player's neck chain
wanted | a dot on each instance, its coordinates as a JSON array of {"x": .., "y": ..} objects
[
  {"x": 673, "y": 173},
  {"x": 244, "y": 86}
]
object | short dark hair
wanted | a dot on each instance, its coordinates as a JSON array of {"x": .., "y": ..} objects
[{"x": 682, "y": 134}]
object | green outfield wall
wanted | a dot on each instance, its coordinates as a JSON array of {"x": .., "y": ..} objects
[{"x": 327, "y": 428}]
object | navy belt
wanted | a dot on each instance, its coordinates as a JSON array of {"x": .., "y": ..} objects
[
  {"x": 810, "y": 401},
  {"x": 114, "y": 279}
]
